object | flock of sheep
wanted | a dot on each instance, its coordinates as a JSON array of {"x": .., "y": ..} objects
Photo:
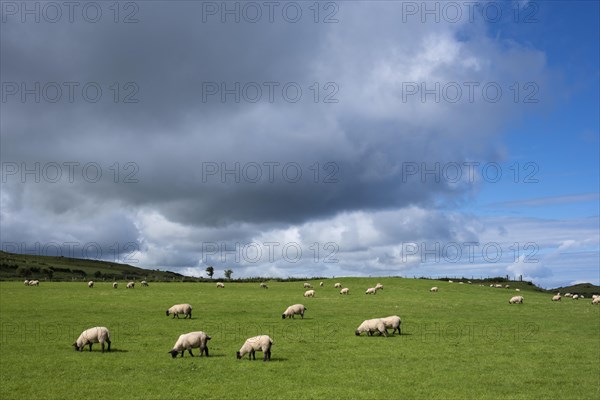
[{"x": 263, "y": 343}]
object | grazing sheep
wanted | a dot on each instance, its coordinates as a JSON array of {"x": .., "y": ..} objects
[
  {"x": 345, "y": 291},
  {"x": 34, "y": 283},
  {"x": 392, "y": 322},
  {"x": 220, "y": 285},
  {"x": 370, "y": 326},
  {"x": 596, "y": 300},
  {"x": 321, "y": 284},
  {"x": 371, "y": 290},
  {"x": 469, "y": 282},
  {"x": 293, "y": 310},
  {"x": 177, "y": 309},
  {"x": 307, "y": 285},
  {"x": 492, "y": 285},
  {"x": 516, "y": 300},
  {"x": 257, "y": 343},
  {"x": 91, "y": 284},
  {"x": 434, "y": 289},
  {"x": 581, "y": 296},
  {"x": 517, "y": 290},
  {"x": 461, "y": 283},
  {"x": 263, "y": 286},
  {"x": 450, "y": 281},
  {"x": 130, "y": 285},
  {"x": 189, "y": 341},
  {"x": 568, "y": 295},
  {"x": 575, "y": 297},
  {"x": 309, "y": 293},
  {"x": 98, "y": 334},
  {"x": 498, "y": 285},
  {"x": 337, "y": 285},
  {"x": 556, "y": 298},
  {"x": 595, "y": 296},
  {"x": 507, "y": 286},
  {"x": 26, "y": 282},
  {"x": 115, "y": 285},
  {"x": 144, "y": 283},
  {"x": 379, "y": 286}
]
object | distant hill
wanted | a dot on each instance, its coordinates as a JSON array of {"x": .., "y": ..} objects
[
  {"x": 56, "y": 268},
  {"x": 581, "y": 288}
]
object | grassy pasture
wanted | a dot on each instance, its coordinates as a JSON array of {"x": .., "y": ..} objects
[{"x": 464, "y": 342}]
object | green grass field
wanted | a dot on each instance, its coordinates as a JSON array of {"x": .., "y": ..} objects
[{"x": 464, "y": 342}]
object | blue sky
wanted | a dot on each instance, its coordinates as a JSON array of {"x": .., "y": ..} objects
[{"x": 198, "y": 117}]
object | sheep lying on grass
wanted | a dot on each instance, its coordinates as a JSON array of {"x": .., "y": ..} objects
[
  {"x": 293, "y": 310},
  {"x": 177, "y": 309},
  {"x": 98, "y": 334},
  {"x": 189, "y": 341},
  {"x": 370, "y": 326},
  {"x": 257, "y": 343}
]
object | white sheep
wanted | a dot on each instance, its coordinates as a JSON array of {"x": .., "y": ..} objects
[
  {"x": 371, "y": 290},
  {"x": 595, "y": 296},
  {"x": 293, "y": 310},
  {"x": 498, "y": 285},
  {"x": 556, "y": 298},
  {"x": 309, "y": 293},
  {"x": 596, "y": 300},
  {"x": 264, "y": 286},
  {"x": 98, "y": 334},
  {"x": 91, "y": 284},
  {"x": 130, "y": 285},
  {"x": 575, "y": 297},
  {"x": 307, "y": 285},
  {"x": 144, "y": 283},
  {"x": 507, "y": 286},
  {"x": 189, "y": 341},
  {"x": 392, "y": 322},
  {"x": 434, "y": 289},
  {"x": 345, "y": 291},
  {"x": 379, "y": 286},
  {"x": 450, "y": 281},
  {"x": 177, "y": 309},
  {"x": 337, "y": 285},
  {"x": 517, "y": 290},
  {"x": 321, "y": 284},
  {"x": 568, "y": 295},
  {"x": 26, "y": 282},
  {"x": 370, "y": 326},
  {"x": 34, "y": 283},
  {"x": 516, "y": 300},
  {"x": 220, "y": 285},
  {"x": 257, "y": 343},
  {"x": 115, "y": 285}
]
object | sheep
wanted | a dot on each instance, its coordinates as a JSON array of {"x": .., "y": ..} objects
[
  {"x": 91, "y": 284},
  {"x": 220, "y": 285},
  {"x": 309, "y": 293},
  {"x": 177, "y": 309},
  {"x": 379, "y": 286},
  {"x": 307, "y": 285},
  {"x": 595, "y": 296},
  {"x": 130, "y": 285},
  {"x": 596, "y": 300},
  {"x": 144, "y": 283},
  {"x": 263, "y": 286},
  {"x": 507, "y": 286},
  {"x": 371, "y": 290},
  {"x": 434, "y": 289},
  {"x": 26, "y": 282},
  {"x": 450, "y": 281},
  {"x": 293, "y": 310},
  {"x": 257, "y": 343},
  {"x": 516, "y": 300},
  {"x": 575, "y": 297},
  {"x": 498, "y": 285},
  {"x": 517, "y": 290},
  {"x": 337, "y": 285},
  {"x": 189, "y": 341},
  {"x": 581, "y": 296},
  {"x": 34, "y": 283},
  {"x": 115, "y": 285},
  {"x": 392, "y": 322},
  {"x": 98, "y": 334},
  {"x": 461, "y": 283},
  {"x": 491, "y": 285},
  {"x": 469, "y": 282},
  {"x": 321, "y": 284},
  {"x": 568, "y": 295},
  {"x": 370, "y": 326},
  {"x": 345, "y": 291},
  {"x": 556, "y": 298}
]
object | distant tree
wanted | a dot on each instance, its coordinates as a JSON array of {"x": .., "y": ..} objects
[
  {"x": 210, "y": 271},
  {"x": 98, "y": 274},
  {"x": 228, "y": 273},
  {"x": 48, "y": 272},
  {"x": 24, "y": 271}
]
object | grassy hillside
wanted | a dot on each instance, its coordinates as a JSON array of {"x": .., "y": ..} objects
[
  {"x": 26, "y": 266},
  {"x": 463, "y": 342}
]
